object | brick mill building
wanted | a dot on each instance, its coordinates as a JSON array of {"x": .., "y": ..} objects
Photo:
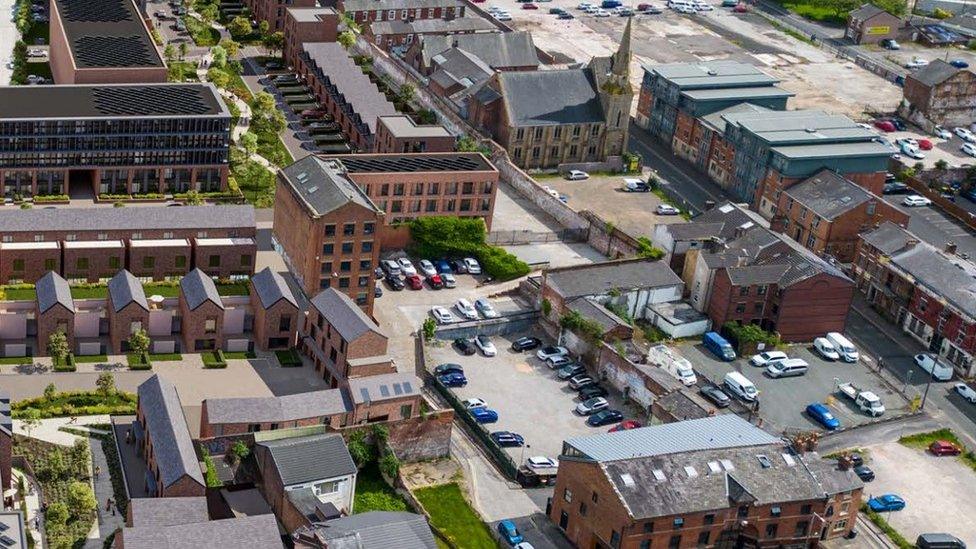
[
  {"x": 711, "y": 482},
  {"x": 366, "y": 11},
  {"x": 940, "y": 93}
]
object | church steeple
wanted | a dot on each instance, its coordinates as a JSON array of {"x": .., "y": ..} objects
[{"x": 621, "y": 59}]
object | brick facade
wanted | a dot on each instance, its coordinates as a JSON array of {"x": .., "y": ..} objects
[
  {"x": 275, "y": 12},
  {"x": 447, "y": 10},
  {"x": 225, "y": 257},
  {"x": 55, "y": 319},
  {"x": 338, "y": 359},
  {"x": 201, "y": 328},
  {"x": 124, "y": 323},
  {"x": 275, "y": 327},
  {"x": 302, "y": 25},
  {"x": 415, "y": 141}
]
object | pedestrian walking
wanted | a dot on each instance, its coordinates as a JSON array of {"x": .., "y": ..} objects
[
  {"x": 97, "y": 471},
  {"x": 108, "y": 503},
  {"x": 74, "y": 419}
]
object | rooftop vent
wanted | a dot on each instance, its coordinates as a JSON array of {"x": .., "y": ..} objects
[
  {"x": 714, "y": 467},
  {"x": 712, "y": 72},
  {"x": 727, "y": 465},
  {"x": 690, "y": 471},
  {"x": 764, "y": 461},
  {"x": 312, "y": 189},
  {"x": 659, "y": 474},
  {"x": 789, "y": 460}
]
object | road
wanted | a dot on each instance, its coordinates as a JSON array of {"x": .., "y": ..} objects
[{"x": 936, "y": 227}]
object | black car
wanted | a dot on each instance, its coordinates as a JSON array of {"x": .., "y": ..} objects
[
  {"x": 896, "y": 187},
  {"x": 556, "y": 11},
  {"x": 395, "y": 283},
  {"x": 526, "y": 344},
  {"x": 604, "y": 417},
  {"x": 377, "y": 291},
  {"x": 899, "y": 124},
  {"x": 459, "y": 266},
  {"x": 716, "y": 396},
  {"x": 465, "y": 346},
  {"x": 565, "y": 15},
  {"x": 507, "y": 439},
  {"x": 592, "y": 391},
  {"x": 864, "y": 473},
  {"x": 448, "y": 368}
]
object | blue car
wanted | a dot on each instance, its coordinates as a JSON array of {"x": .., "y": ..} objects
[
  {"x": 484, "y": 415},
  {"x": 887, "y": 502},
  {"x": 453, "y": 379},
  {"x": 969, "y": 195},
  {"x": 443, "y": 266},
  {"x": 959, "y": 64},
  {"x": 821, "y": 414},
  {"x": 509, "y": 532}
]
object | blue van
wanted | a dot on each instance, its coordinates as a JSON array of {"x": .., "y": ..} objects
[
  {"x": 610, "y": 4},
  {"x": 718, "y": 345}
]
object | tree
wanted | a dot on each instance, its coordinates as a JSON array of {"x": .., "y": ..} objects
[
  {"x": 430, "y": 328},
  {"x": 264, "y": 27},
  {"x": 346, "y": 39},
  {"x": 231, "y": 47},
  {"x": 208, "y": 14},
  {"x": 218, "y": 57},
  {"x": 193, "y": 198},
  {"x": 262, "y": 103},
  {"x": 219, "y": 77},
  {"x": 274, "y": 42},
  {"x": 57, "y": 513},
  {"x": 249, "y": 142},
  {"x": 240, "y": 450},
  {"x": 169, "y": 52},
  {"x": 407, "y": 93},
  {"x": 941, "y": 164},
  {"x": 265, "y": 117},
  {"x": 239, "y": 27},
  {"x": 184, "y": 49},
  {"x": 105, "y": 384},
  {"x": 139, "y": 342},
  {"x": 30, "y": 419},
  {"x": 57, "y": 347},
  {"x": 81, "y": 498},
  {"x": 50, "y": 391}
]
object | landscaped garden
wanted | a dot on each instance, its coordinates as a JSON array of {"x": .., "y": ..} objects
[
  {"x": 26, "y": 292},
  {"x": 104, "y": 399}
]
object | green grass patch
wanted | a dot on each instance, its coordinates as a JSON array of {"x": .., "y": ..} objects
[
  {"x": 238, "y": 87},
  {"x": 288, "y": 358},
  {"x": 16, "y": 360},
  {"x": 213, "y": 359},
  {"x": 165, "y": 357},
  {"x": 138, "y": 361},
  {"x": 242, "y": 355},
  {"x": 452, "y": 515},
  {"x": 202, "y": 34},
  {"x": 921, "y": 441},
  {"x": 18, "y": 294},
  {"x": 892, "y": 534},
  {"x": 91, "y": 359},
  {"x": 374, "y": 494},
  {"x": 78, "y": 403},
  {"x": 817, "y": 12},
  {"x": 271, "y": 147},
  {"x": 233, "y": 288},
  {"x": 182, "y": 71}
]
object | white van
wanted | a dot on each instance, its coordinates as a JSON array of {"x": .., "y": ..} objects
[
  {"x": 825, "y": 349},
  {"x": 741, "y": 386},
  {"x": 844, "y": 347},
  {"x": 673, "y": 4},
  {"x": 788, "y": 367}
]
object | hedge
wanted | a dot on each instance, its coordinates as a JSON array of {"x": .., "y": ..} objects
[
  {"x": 459, "y": 237},
  {"x": 139, "y": 361},
  {"x": 214, "y": 359},
  {"x": 41, "y": 198},
  {"x": 77, "y": 403},
  {"x": 289, "y": 358},
  {"x": 68, "y": 366}
]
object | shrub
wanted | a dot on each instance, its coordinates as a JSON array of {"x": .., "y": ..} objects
[
  {"x": 430, "y": 327},
  {"x": 390, "y": 465},
  {"x": 288, "y": 358},
  {"x": 213, "y": 481},
  {"x": 139, "y": 361},
  {"x": 647, "y": 250},
  {"x": 588, "y": 328},
  {"x": 501, "y": 265},
  {"x": 746, "y": 336},
  {"x": 458, "y": 237}
]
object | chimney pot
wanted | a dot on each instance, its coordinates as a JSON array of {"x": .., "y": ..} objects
[{"x": 950, "y": 247}]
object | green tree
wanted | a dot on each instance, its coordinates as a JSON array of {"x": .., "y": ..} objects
[
  {"x": 57, "y": 347},
  {"x": 390, "y": 465},
  {"x": 941, "y": 164},
  {"x": 264, "y": 27},
  {"x": 407, "y": 93},
  {"x": 430, "y": 327},
  {"x": 139, "y": 341},
  {"x": 346, "y": 39},
  {"x": 57, "y": 514},
  {"x": 50, "y": 391},
  {"x": 184, "y": 49},
  {"x": 240, "y": 450},
  {"x": 219, "y": 56},
  {"x": 105, "y": 384},
  {"x": 361, "y": 452},
  {"x": 208, "y": 14},
  {"x": 30, "y": 419},
  {"x": 274, "y": 42},
  {"x": 240, "y": 27},
  {"x": 219, "y": 77},
  {"x": 231, "y": 47},
  {"x": 262, "y": 103},
  {"x": 249, "y": 142},
  {"x": 81, "y": 498},
  {"x": 169, "y": 52},
  {"x": 193, "y": 198}
]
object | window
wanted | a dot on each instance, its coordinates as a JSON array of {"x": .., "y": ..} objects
[
  {"x": 210, "y": 325},
  {"x": 576, "y": 131},
  {"x": 775, "y": 511},
  {"x": 709, "y": 519},
  {"x": 214, "y": 261},
  {"x": 761, "y": 290},
  {"x": 148, "y": 262},
  {"x": 582, "y": 509},
  {"x": 703, "y": 538},
  {"x": 365, "y": 265},
  {"x": 674, "y": 542},
  {"x": 595, "y": 497},
  {"x": 646, "y": 544},
  {"x": 801, "y": 529},
  {"x": 18, "y": 264},
  {"x": 520, "y": 133},
  {"x": 369, "y": 228},
  {"x": 771, "y": 530},
  {"x": 330, "y": 230},
  {"x": 328, "y": 487},
  {"x": 349, "y": 229},
  {"x": 406, "y": 411},
  {"x": 385, "y": 189},
  {"x": 744, "y": 290},
  {"x": 347, "y": 247},
  {"x": 284, "y": 323},
  {"x": 518, "y": 152},
  {"x": 535, "y": 152},
  {"x": 595, "y": 130},
  {"x": 740, "y": 308},
  {"x": 557, "y": 132},
  {"x": 567, "y": 495},
  {"x": 82, "y": 263},
  {"x": 113, "y": 262},
  {"x": 538, "y": 134},
  {"x": 398, "y": 189},
  {"x": 840, "y": 524},
  {"x": 872, "y": 207},
  {"x": 614, "y": 539},
  {"x": 180, "y": 261},
  {"x": 245, "y": 260},
  {"x": 363, "y": 281},
  {"x": 344, "y": 282},
  {"x": 326, "y": 268},
  {"x": 743, "y": 511},
  {"x": 328, "y": 249},
  {"x": 648, "y": 527},
  {"x": 368, "y": 246},
  {"x": 572, "y": 150},
  {"x": 679, "y": 522},
  {"x": 345, "y": 266},
  {"x": 806, "y": 509},
  {"x": 554, "y": 151},
  {"x": 325, "y": 283}
]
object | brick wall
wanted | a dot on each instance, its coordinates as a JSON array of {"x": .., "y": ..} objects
[
  {"x": 36, "y": 263},
  {"x": 194, "y": 322},
  {"x": 92, "y": 264},
  {"x": 160, "y": 262},
  {"x": 267, "y": 322},
  {"x": 6, "y": 460},
  {"x": 225, "y": 260},
  {"x": 52, "y": 320},
  {"x": 120, "y": 323}
]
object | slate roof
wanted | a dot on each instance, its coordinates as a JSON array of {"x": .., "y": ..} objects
[
  {"x": 310, "y": 458},
  {"x": 456, "y": 67},
  {"x": 889, "y": 238},
  {"x": 344, "y": 315},
  {"x": 719, "y": 222},
  {"x": 125, "y": 288},
  {"x": 866, "y": 12},
  {"x": 828, "y": 194},
  {"x": 251, "y": 532},
  {"x": 166, "y": 424},
  {"x": 363, "y": 97},
  {"x": 498, "y": 50},
  {"x": 323, "y": 186},
  {"x": 198, "y": 288},
  {"x": 949, "y": 277},
  {"x": 572, "y": 99},
  {"x": 374, "y": 530},
  {"x": 424, "y": 26},
  {"x": 272, "y": 288},
  {"x": 169, "y": 511},
  {"x": 595, "y": 311},
  {"x": 600, "y": 278},
  {"x": 277, "y": 409},
  {"x": 383, "y": 387},
  {"x": 52, "y": 290},
  {"x": 126, "y": 219},
  {"x": 935, "y": 73}
]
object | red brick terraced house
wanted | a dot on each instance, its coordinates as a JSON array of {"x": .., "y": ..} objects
[
  {"x": 275, "y": 310},
  {"x": 127, "y": 311},
  {"x": 201, "y": 313}
]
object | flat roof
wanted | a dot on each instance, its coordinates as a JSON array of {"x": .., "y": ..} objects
[
  {"x": 106, "y": 33},
  {"x": 403, "y": 126},
  {"x": 111, "y": 101},
  {"x": 159, "y": 243},
  {"x": 712, "y": 74},
  {"x": 837, "y": 150},
  {"x": 79, "y": 244},
  {"x": 29, "y": 246},
  {"x": 412, "y": 163},
  {"x": 224, "y": 241},
  {"x": 751, "y": 92},
  {"x": 806, "y": 126},
  {"x": 126, "y": 219},
  {"x": 310, "y": 15},
  {"x": 13, "y": 530}
]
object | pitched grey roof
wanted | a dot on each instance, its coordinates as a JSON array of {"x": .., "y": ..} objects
[
  {"x": 748, "y": 275},
  {"x": 52, "y": 290},
  {"x": 721, "y": 431},
  {"x": 198, "y": 288},
  {"x": 499, "y": 50},
  {"x": 277, "y": 409},
  {"x": 170, "y": 511},
  {"x": 272, "y": 288},
  {"x": 572, "y": 97},
  {"x": 166, "y": 424},
  {"x": 323, "y": 185},
  {"x": 124, "y": 288},
  {"x": 383, "y": 5},
  {"x": 127, "y": 219},
  {"x": 252, "y": 532},
  {"x": 456, "y": 67},
  {"x": 600, "y": 278},
  {"x": 936, "y": 72},
  {"x": 828, "y": 194},
  {"x": 949, "y": 277},
  {"x": 375, "y": 530},
  {"x": 722, "y": 221},
  {"x": 595, "y": 311},
  {"x": 310, "y": 458},
  {"x": 865, "y": 12},
  {"x": 365, "y": 99},
  {"x": 383, "y": 387},
  {"x": 344, "y": 315},
  {"x": 424, "y": 26},
  {"x": 889, "y": 238}
]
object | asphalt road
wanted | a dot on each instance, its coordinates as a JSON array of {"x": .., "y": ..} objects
[{"x": 936, "y": 227}]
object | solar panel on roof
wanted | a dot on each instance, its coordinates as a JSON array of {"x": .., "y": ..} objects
[
  {"x": 407, "y": 388},
  {"x": 7, "y": 541},
  {"x": 384, "y": 390},
  {"x": 112, "y": 51},
  {"x": 412, "y": 164},
  {"x": 3, "y": 527},
  {"x": 88, "y": 11},
  {"x": 150, "y": 100}
]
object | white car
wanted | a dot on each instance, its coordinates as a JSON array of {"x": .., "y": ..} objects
[
  {"x": 916, "y": 63},
  {"x": 484, "y": 343},
  {"x": 942, "y": 133},
  {"x": 601, "y": 13},
  {"x": 577, "y": 175},
  {"x": 701, "y": 6},
  {"x": 763, "y": 359},
  {"x": 466, "y": 309},
  {"x": 427, "y": 268},
  {"x": 550, "y": 191},
  {"x": 541, "y": 462},
  {"x": 911, "y": 151},
  {"x": 592, "y": 406},
  {"x": 551, "y": 351},
  {"x": 666, "y": 209},
  {"x": 909, "y": 140},
  {"x": 683, "y": 8},
  {"x": 442, "y": 315},
  {"x": 965, "y": 391},
  {"x": 473, "y": 266},
  {"x": 557, "y": 362},
  {"x": 584, "y": 5},
  {"x": 503, "y": 16},
  {"x": 968, "y": 148},
  {"x": 449, "y": 280},
  {"x": 965, "y": 134},
  {"x": 825, "y": 348},
  {"x": 472, "y": 403},
  {"x": 484, "y": 307},
  {"x": 915, "y": 200},
  {"x": 406, "y": 267},
  {"x": 938, "y": 369}
]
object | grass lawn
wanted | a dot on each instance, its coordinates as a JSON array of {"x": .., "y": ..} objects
[
  {"x": 452, "y": 515},
  {"x": 271, "y": 147},
  {"x": 78, "y": 403},
  {"x": 165, "y": 357},
  {"x": 240, "y": 355},
  {"x": 212, "y": 360},
  {"x": 921, "y": 441},
  {"x": 19, "y": 294},
  {"x": 374, "y": 494},
  {"x": 288, "y": 358},
  {"x": 817, "y": 13},
  {"x": 16, "y": 360},
  {"x": 180, "y": 71},
  {"x": 202, "y": 35},
  {"x": 90, "y": 359},
  {"x": 238, "y": 87},
  {"x": 89, "y": 292}
]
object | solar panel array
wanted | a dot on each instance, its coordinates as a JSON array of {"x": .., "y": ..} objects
[
  {"x": 439, "y": 163},
  {"x": 89, "y": 11},
  {"x": 150, "y": 101},
  {"x": 112, "y": 51}
]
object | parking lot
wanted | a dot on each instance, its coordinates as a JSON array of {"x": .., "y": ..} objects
[
  {"x": 939, "y": 492},
  {"x": 783, "y": 401},
  {"x": 529, "y": 398}
]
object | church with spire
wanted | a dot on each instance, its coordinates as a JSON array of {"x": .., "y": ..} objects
[{"x": 546, "y": 118}]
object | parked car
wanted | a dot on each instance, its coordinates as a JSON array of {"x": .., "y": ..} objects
[
  {"x": 590, "y": 391},
  {"x": 459, "y": 266},
  {"x": 965, "y": 134},
  {"x": 965, "y": 391},
  {"x": 526, "y": 344},
  {"x": 912, "y": 151},
  {"x": 503, "y": 16},
  {"x": 390, "y": 267},
  {"x": 890, "y": 44},
  {"x": 426, "y": 268},
  {"x": 556, "y": 11},
  {"x": 377, "y": 291},
  {"x": 570, "y": 371},
  {"x": 541, "y": 462},
  {"x": 625, "y": 425},
  {"x": 484, "y": 343},
  {"x": 719, "y": 346},
  {"x": 509, "y": 532},
  {"x": 414, "y": 281},
  {"x": 939, "y": 541},
  {"x": 730, "y": 3},
  {"x": 763, "y": 359},
  {"x": 886, "y": 502},
  {"x": 466, "y": 309},
  {"x": 581, "y": 380},
  {"x": 435, "y": 281},
  {"x": 716, "y": 396},
  {"x": 546, "y": 352},
  {"x": 465, "y": 346},
  {"x": 666, "y": 209},
  {"x": 959, "y": 64},
  {"x": 825, "y": 349},
  {"x": 925, "y": 144},
  {"x": 564, "y": 15},
  {"x": 507, "y": 439},
  {"x": 395, "y": 283},
  {"x": 884, "y": 125},
  {"x": 448, "y": 368},
  {"x": 472, "y": 403},
  {"x": 473, "y": 267},
  {"x": 864, "y": 473},
  {"x": 604, "y": 417},
  {"x": 406, "y": 266},
  {"x": 916, "y": 63},
  {"x": 969, "y": 195},
  {"x": 821, "y": 414},
  {"x": 896, "y": 187},
  {"x": 937, "y": 369},
  {"x": 789, "y": 367},
  {"x": 443, "y": 266},
  {"x": 483, "y": 306},
  {"x": 441, "y": 315},
  {"x": 592, "y": 406},
  {"x": 529, "y": 6},
  {"x": 484, "y": 415},
  {"x": 913, "y": 200},
  {"x": 741, "y": 8},
  {"x": 968, "y": 148},
  {"x": 944, "y": 448},
  {"x": 634, "y": 185},
  {"x": 557, "y": 362},
  {"x": 448, "y": 280},
  {"x": 453, "y": 380},
  {"x": 942, "y": 133}
]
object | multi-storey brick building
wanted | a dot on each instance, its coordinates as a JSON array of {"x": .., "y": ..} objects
[
  {"x": 827, "y": 212},
  {"x": 940, "y": 93},
  {"x": 275, "y": 12},
  {"x": 400, "y": 34},
  {"x": 712, "y": 482},
  {"x": 400, "y": 134},
  {"x": 926, "y": 291},
  {"x": 168, "y": 138},
  {"x": 302, "y": 25},
  {"x": 201, "y": 313},
  {"x": 365, "y": 11},
  {"x": 107, "y": 43},
  {"x": 154, "y": 243},
  {"x": 275, "y": 310}
]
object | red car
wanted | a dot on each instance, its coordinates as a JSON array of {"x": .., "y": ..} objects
[
  {"x": 435, "y": 281},
  {"x": 415, "y": 282},
  {"x": 529, "y": 7},
  {"x": 625, "y": 426},
  {"x": 925, "y": 144},
  {"x": 884, "y": 125},
  {"x": 944, "y": 448},
  {"x": 741, "y": 8}
]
